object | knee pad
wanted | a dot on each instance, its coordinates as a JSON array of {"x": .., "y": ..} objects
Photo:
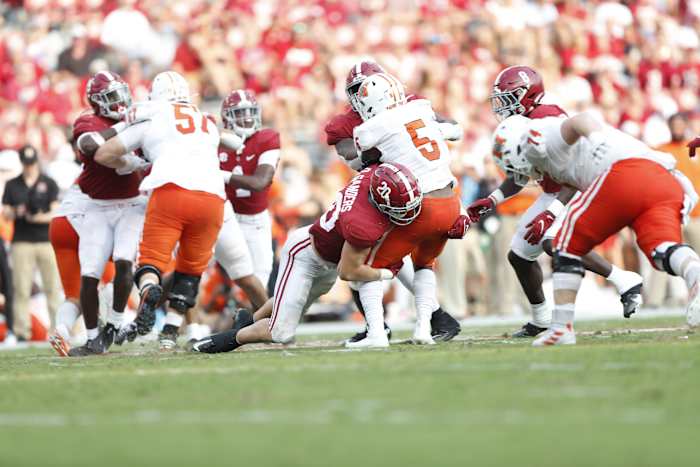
[
  {"x": 567, "y": 264},
  {"x": 661, "y": 256},
  {"x": 141, "y": 270},
  {"x": 183, "y": 294}
]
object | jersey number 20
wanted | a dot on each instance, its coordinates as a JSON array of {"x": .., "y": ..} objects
[
  {"x": 184, "y": 119},
  {"x": 420, "y": 142}
]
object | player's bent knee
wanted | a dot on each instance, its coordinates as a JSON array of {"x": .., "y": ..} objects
[
  {"x": 145, "y": 269},
  {"x": 563, "y": 263},
  {"x": 661, "y": 256},
  {"x": 547, "y": 246},
  {"x": 183, "y": 294}
]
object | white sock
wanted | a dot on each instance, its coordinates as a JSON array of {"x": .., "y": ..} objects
[
  {"x": 685, "y": 263},
  {"x": 371, "y": 294},
  {"x": 115, "y": 318},
  {"x": 541, "y": 314},
  {"x": 92, "y": 333},
  {"x": 406, "y": 274},
  {"x": 174, "y": 318},
  {"x": 563, "y": 315},
  {"x": 66, "y": 316},
  {"x": 425, "y": 293},
  {"x": 623, "y": 280},
  {"x": 191, "y": 331}
]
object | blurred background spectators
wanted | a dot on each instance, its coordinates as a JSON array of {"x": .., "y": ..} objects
[{"x": 636, "y": 63}]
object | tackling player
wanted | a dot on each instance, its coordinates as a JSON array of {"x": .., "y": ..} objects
[
  {"x": 518, "y": 90},
  {"x": 336, "y": 245},
  {"x": 339, "y": 133},
  {"x": 113, "y": 210},
  {"x": 608, "y": 167},
  {"x": 186, "y": 204}
]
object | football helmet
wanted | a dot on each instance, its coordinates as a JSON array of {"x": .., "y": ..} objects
[
  {"x": 356, "y": 76},
  {"x": 508, "y": 151},
  {"x": 395, "y": 192},
  {"x": 516, "y": 91},
  {"x": 108, "y": 95},
  {"x": 241, "y": 113},
  {"x": 378, "y": 93},
  {"x": 169, "y": 86}
]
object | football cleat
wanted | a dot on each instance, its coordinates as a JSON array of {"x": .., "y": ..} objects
[
  {"x": 528, "y": 330},
  {"x": 146, "y": 318},
  {"x": 167, "y": 338},
  {"x": 631, "y": 300},
  {"x": 363, "y": 334},
  {"x": 380, "y": 341},
  {"x": 224, "y": 341},
  {"x": 59, "y": 344},
  {"x": 108, "y": 334},
  {"x": 443, "y": 326},
  {"x": 126, "y": 332},
  {"x": 94, "y": 346},
  {"x": 556, "y": 336},
  {"x": 692, "y": 311}
]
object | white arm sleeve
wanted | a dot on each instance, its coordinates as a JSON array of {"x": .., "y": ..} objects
[
  {"x": 270, "y": 157},
  {"x": 132, "y": 137}
]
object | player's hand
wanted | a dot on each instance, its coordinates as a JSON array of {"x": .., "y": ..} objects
[
  {"x": 480, "y": 207},
  {"x": 692, "y": 146},
  {"x": 538, "y": 227},
  {"x": 533, "y": 144},
  {"x": 460, "y": 227}
]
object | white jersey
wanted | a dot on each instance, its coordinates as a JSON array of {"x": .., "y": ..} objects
[
  {"x": 577, "y": 165},
  {"x": 410, "y": 135},
  {"x": 181, "y": 143}
]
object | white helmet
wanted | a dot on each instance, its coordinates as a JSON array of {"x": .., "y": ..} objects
[
  {"x": 379, "y": 92},
  {"x": 169, "y": 86},
  {"x": 508, "y": 151}
]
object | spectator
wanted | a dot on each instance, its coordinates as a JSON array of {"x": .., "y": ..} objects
[{"x": 29, "y": 199}]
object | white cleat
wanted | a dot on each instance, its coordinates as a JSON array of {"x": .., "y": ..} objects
[
  {"x": 422, "y": 338},
  {"x": 556, "y": 336},
  {"x": 692, "y": 311},
  {"x": 370, "y": 342}
]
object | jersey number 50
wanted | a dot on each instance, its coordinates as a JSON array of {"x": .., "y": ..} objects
[
  {"x": 184, "y": 119},
  {"x": 420, "y": 142}
]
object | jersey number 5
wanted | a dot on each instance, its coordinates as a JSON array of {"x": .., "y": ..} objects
[
  {"x": 420, "y": 142},
  {"x": 184, "y": 119}
]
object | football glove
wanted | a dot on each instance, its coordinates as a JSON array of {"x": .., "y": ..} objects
[{"x": 538, "y": 226}]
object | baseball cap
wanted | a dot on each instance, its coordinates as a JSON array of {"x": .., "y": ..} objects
[{"x": 28, "y": 155}]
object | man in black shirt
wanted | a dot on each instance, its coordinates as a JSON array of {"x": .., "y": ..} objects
[{"x": 30, "y": 199}]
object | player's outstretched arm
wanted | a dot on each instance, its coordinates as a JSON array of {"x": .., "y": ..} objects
[
  {"x": 352, "y": 266},
  {"x": 481, "y": 206}
]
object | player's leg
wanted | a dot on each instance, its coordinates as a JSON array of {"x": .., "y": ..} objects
[
  {"x": 604, "y": 208},
  {"x": 257, "y": 230},
  {"x": 231, "y": 251}
]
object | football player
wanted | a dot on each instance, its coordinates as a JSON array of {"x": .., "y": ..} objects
[
  {"x": 608, "y": 167},
  {"x": 518, "y": 90},
  {"x": 339, "y": 133},
  {"x": 409, "y": 133},
  {"x": 113, "y": 210},
  {"x": 186, "y": 206},
  {"x": 336, "y": 245}
]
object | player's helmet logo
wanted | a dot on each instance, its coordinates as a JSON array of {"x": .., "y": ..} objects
[
  {"x": 379, "y": 93},
  {"x": 395, "y": 192}
]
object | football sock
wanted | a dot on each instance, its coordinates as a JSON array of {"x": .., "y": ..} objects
[
  {"x": 115, "y": 318},
  {"x": 424, "y": 290},
  {"x": 406, "y": 274},
  {"x": 622, "y": 280},
  {"x": 371, "y": 294},
  {"x": 66, "y": 317},
  {"x": 541, "y": 314},
  {"x": 563, "y": 314},
  {"x": 92, "y": 333},
  {"x": 174, "y": 319}
]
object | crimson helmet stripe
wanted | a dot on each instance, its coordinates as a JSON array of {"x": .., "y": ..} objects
[
  {"x": 403, "y": 178},
  {"x": 107, "y": 75}
]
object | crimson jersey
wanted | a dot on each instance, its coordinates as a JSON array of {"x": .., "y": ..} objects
[
  {"x": 541, "y": 111},
  {"x": 96, "y": 180},
  {"x": 351, "y": 218},
  {"x": 245, "y": 163},
  {"x": 341, "y": 126}
]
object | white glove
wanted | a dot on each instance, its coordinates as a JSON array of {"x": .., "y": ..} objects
[
  {"x": 231, "y": 140},
  {"x": 133, "y": 163},
  {"x": 226, "y": 175},
  {"x": 451, "y": 131}
]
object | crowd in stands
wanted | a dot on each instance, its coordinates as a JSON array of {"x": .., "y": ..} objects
[{"x": 635, "y": 62}]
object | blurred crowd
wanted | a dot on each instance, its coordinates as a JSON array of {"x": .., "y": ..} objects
[{"x": 636, "y": 63}]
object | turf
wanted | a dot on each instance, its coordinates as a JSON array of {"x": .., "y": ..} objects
[{"x": 614, "y": 399}]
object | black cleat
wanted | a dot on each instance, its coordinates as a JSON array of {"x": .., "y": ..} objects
[
  {"x": 528, "y": 330},
  {"x": 363, "y": 334},
  {"x": 108, "y": 334},
  {"x": 631, "y": 300},
  {"x": 146, "y": 318},
  {"x": 224, "y": 341},
  {"x": 94, "y": 346},
  {"x": 443, "y": 326},
  {"x": 168, "y": 337},
  {"x": 126, "y": 332}
]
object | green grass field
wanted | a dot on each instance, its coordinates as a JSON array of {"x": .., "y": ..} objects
[{"x": 614, "y": 399}]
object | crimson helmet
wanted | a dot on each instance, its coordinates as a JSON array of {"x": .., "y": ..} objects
[
  {"x": 516, "y": 91},
  {"x": 241, "y": 113},
  {"x": 395, "y": 192},
  {"x": 356, "y": 76},
  {"x": 108, "y": 95}
]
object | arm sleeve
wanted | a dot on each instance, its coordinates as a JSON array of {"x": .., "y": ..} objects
[
  {"x": 270, "y": 157},
  {"x": 132, "y": 137},
  {"x": 338, "y": 128}
]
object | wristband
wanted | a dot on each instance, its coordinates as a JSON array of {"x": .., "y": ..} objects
[
  {"x": 497, "y": 197},
  {"x": 556, "y": 207},
  {"x": 119, "y": 126},
  {"x": 385, "y": 275}
]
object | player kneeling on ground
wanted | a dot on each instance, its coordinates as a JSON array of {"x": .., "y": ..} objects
[
  {"x": 336, "y": 245},
  {"x": 623, "y": 182}
]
